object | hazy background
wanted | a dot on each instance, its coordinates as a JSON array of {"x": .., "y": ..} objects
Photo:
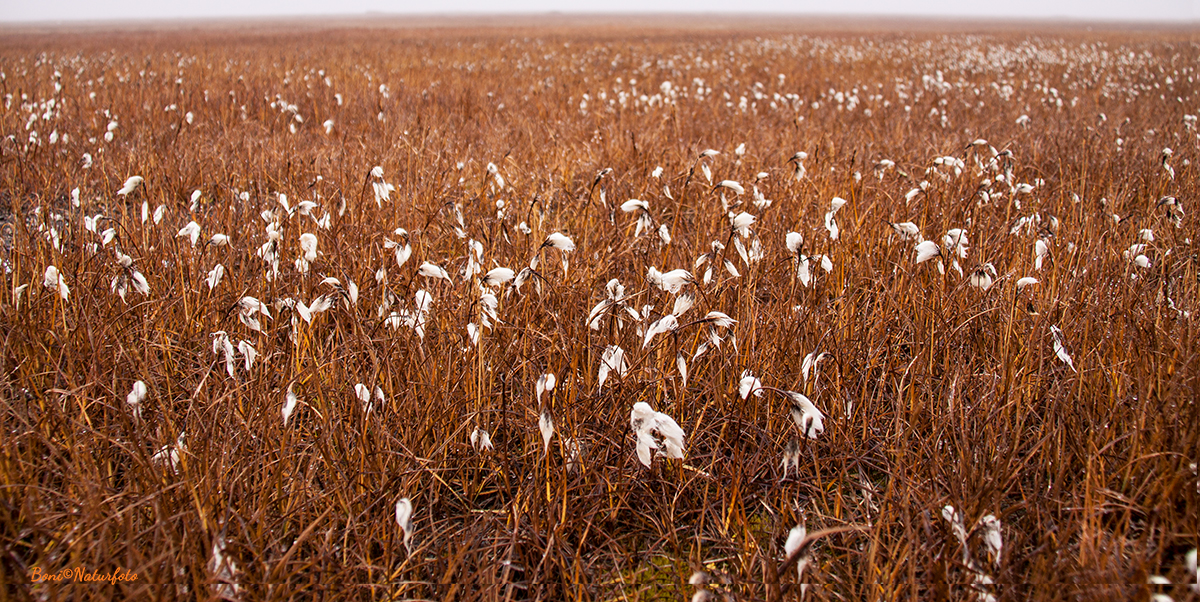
[{"x": 1105, "y": 10}]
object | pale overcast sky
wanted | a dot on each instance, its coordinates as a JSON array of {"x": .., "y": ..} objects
[{"x": 77, "y": 10}]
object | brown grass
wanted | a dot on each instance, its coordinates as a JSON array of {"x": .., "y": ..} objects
[{"x": 936, "y": 393}]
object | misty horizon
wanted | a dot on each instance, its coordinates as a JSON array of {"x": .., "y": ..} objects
[{"x": 73, "y": 11}]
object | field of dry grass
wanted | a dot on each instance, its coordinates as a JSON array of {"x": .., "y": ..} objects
[{"x": 1057, "y": 419}]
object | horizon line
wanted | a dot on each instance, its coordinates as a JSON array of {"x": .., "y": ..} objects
[{"x": 531, "y": 17}]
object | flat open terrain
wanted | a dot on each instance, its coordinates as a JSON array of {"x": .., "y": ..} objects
[{"x": 926, "y": 289}]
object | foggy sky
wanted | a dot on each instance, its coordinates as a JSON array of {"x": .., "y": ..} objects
[{"x": 77, "y": 10}]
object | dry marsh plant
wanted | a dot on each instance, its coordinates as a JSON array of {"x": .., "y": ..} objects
[{"x": 625, "y": 312}]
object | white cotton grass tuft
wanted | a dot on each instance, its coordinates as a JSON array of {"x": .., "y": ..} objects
[
  {"x": 611, "y": 361},
  {"x": 191, "y": 231},
  {"x": 248, "y": 310},
  {"x": 804, "y": 263},
  {"x": 481, "y": 440},
  {"x": 403, "y": 251},
  {"x": 613, "y": 307},
  {"x": 223, "y": 348},
  {"x": 907, "y": 231},
  {"x": 664, "y": 234},
  {"x": 404, "y": 512},
  {"x": 249, "y": 354},
  {"x": 415, "y": 318},
  {"x": 732, "y": 186},
  {"x": 321, "y": 303},
  {"x": 831, "y": 217},
  {"x": 795, "y": 537},
  {"x": 633, "y": 205},
  {"x": 1136, "y": 254},
  {"x": 645, "y": 422},
  {"x": 129, "y": 276},
  {"x": 349, "y": 292},
  {"x": 957, "y": 526},
  {"x": 289, "y": 404},
  {"x": 171, "y": 455},
  {"x": 1190, "y": 560},
  {"x": 955, "y": 242},
  {"x": 927, "y": 250},
  {"x": 559, "y": 241},
  {"x": 53, "y": 280},
  {"x": 1024, "y": 282},
  {"x": 139, "y": 283},
  {"x": 130, "y": 185},
  {"x": 308, "y": 244},
  {"x": 215, "y": 276},
  {"x": 794, "y": 242},
  {"x": 1060, "y": 349},
  {"x": 498, "y": 277},
  {"x": 993, "y": 537},
  {"x": 363, "y": 393},
  {"x": 671, "y": 282},
  {"x": 719, "y": 319},
  {"x": 792, "y": 546},
  {"x": 809, "y": 364},
  {"x": 741, "y": 223},
  {"x": 18, "y": 293},
  {"x": 683, "y": 303},
  {"x": 1041, "y": 248},
  {"x": 798, "y": 162},
  {"x": 644, "y": 222},
  {"x": 474, "y": 259},
  {"x": 805, "y": 414},
  {"x": 135, "y": 398},
  {"x": 804, "y": 267},
  {"x": 749, "y": 384},
  {"x": 983, "y": 276},
  {"x": 546, "y": 426},
  {"x": 497, "y": 179},
  {"x": 544, "y": 384},
  {"x": 382, "y": 189},
  {"x": 667, "y": 323},
  {"x": 433, "y": 271}
]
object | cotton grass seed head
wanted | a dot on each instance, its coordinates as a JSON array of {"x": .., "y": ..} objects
[{"x": 130, "y": 185}]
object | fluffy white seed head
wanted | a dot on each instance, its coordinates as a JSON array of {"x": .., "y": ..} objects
[
  {"x": 749, "y": 384},
  {"x": 559, "y": 241},
  {"x": 130, "y": 185},
  {"x": 732, "y": 185},
  {"x": 404, "y": 512}
]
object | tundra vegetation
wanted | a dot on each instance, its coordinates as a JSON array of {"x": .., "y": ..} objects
[{"x": 557, "y": 311}]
